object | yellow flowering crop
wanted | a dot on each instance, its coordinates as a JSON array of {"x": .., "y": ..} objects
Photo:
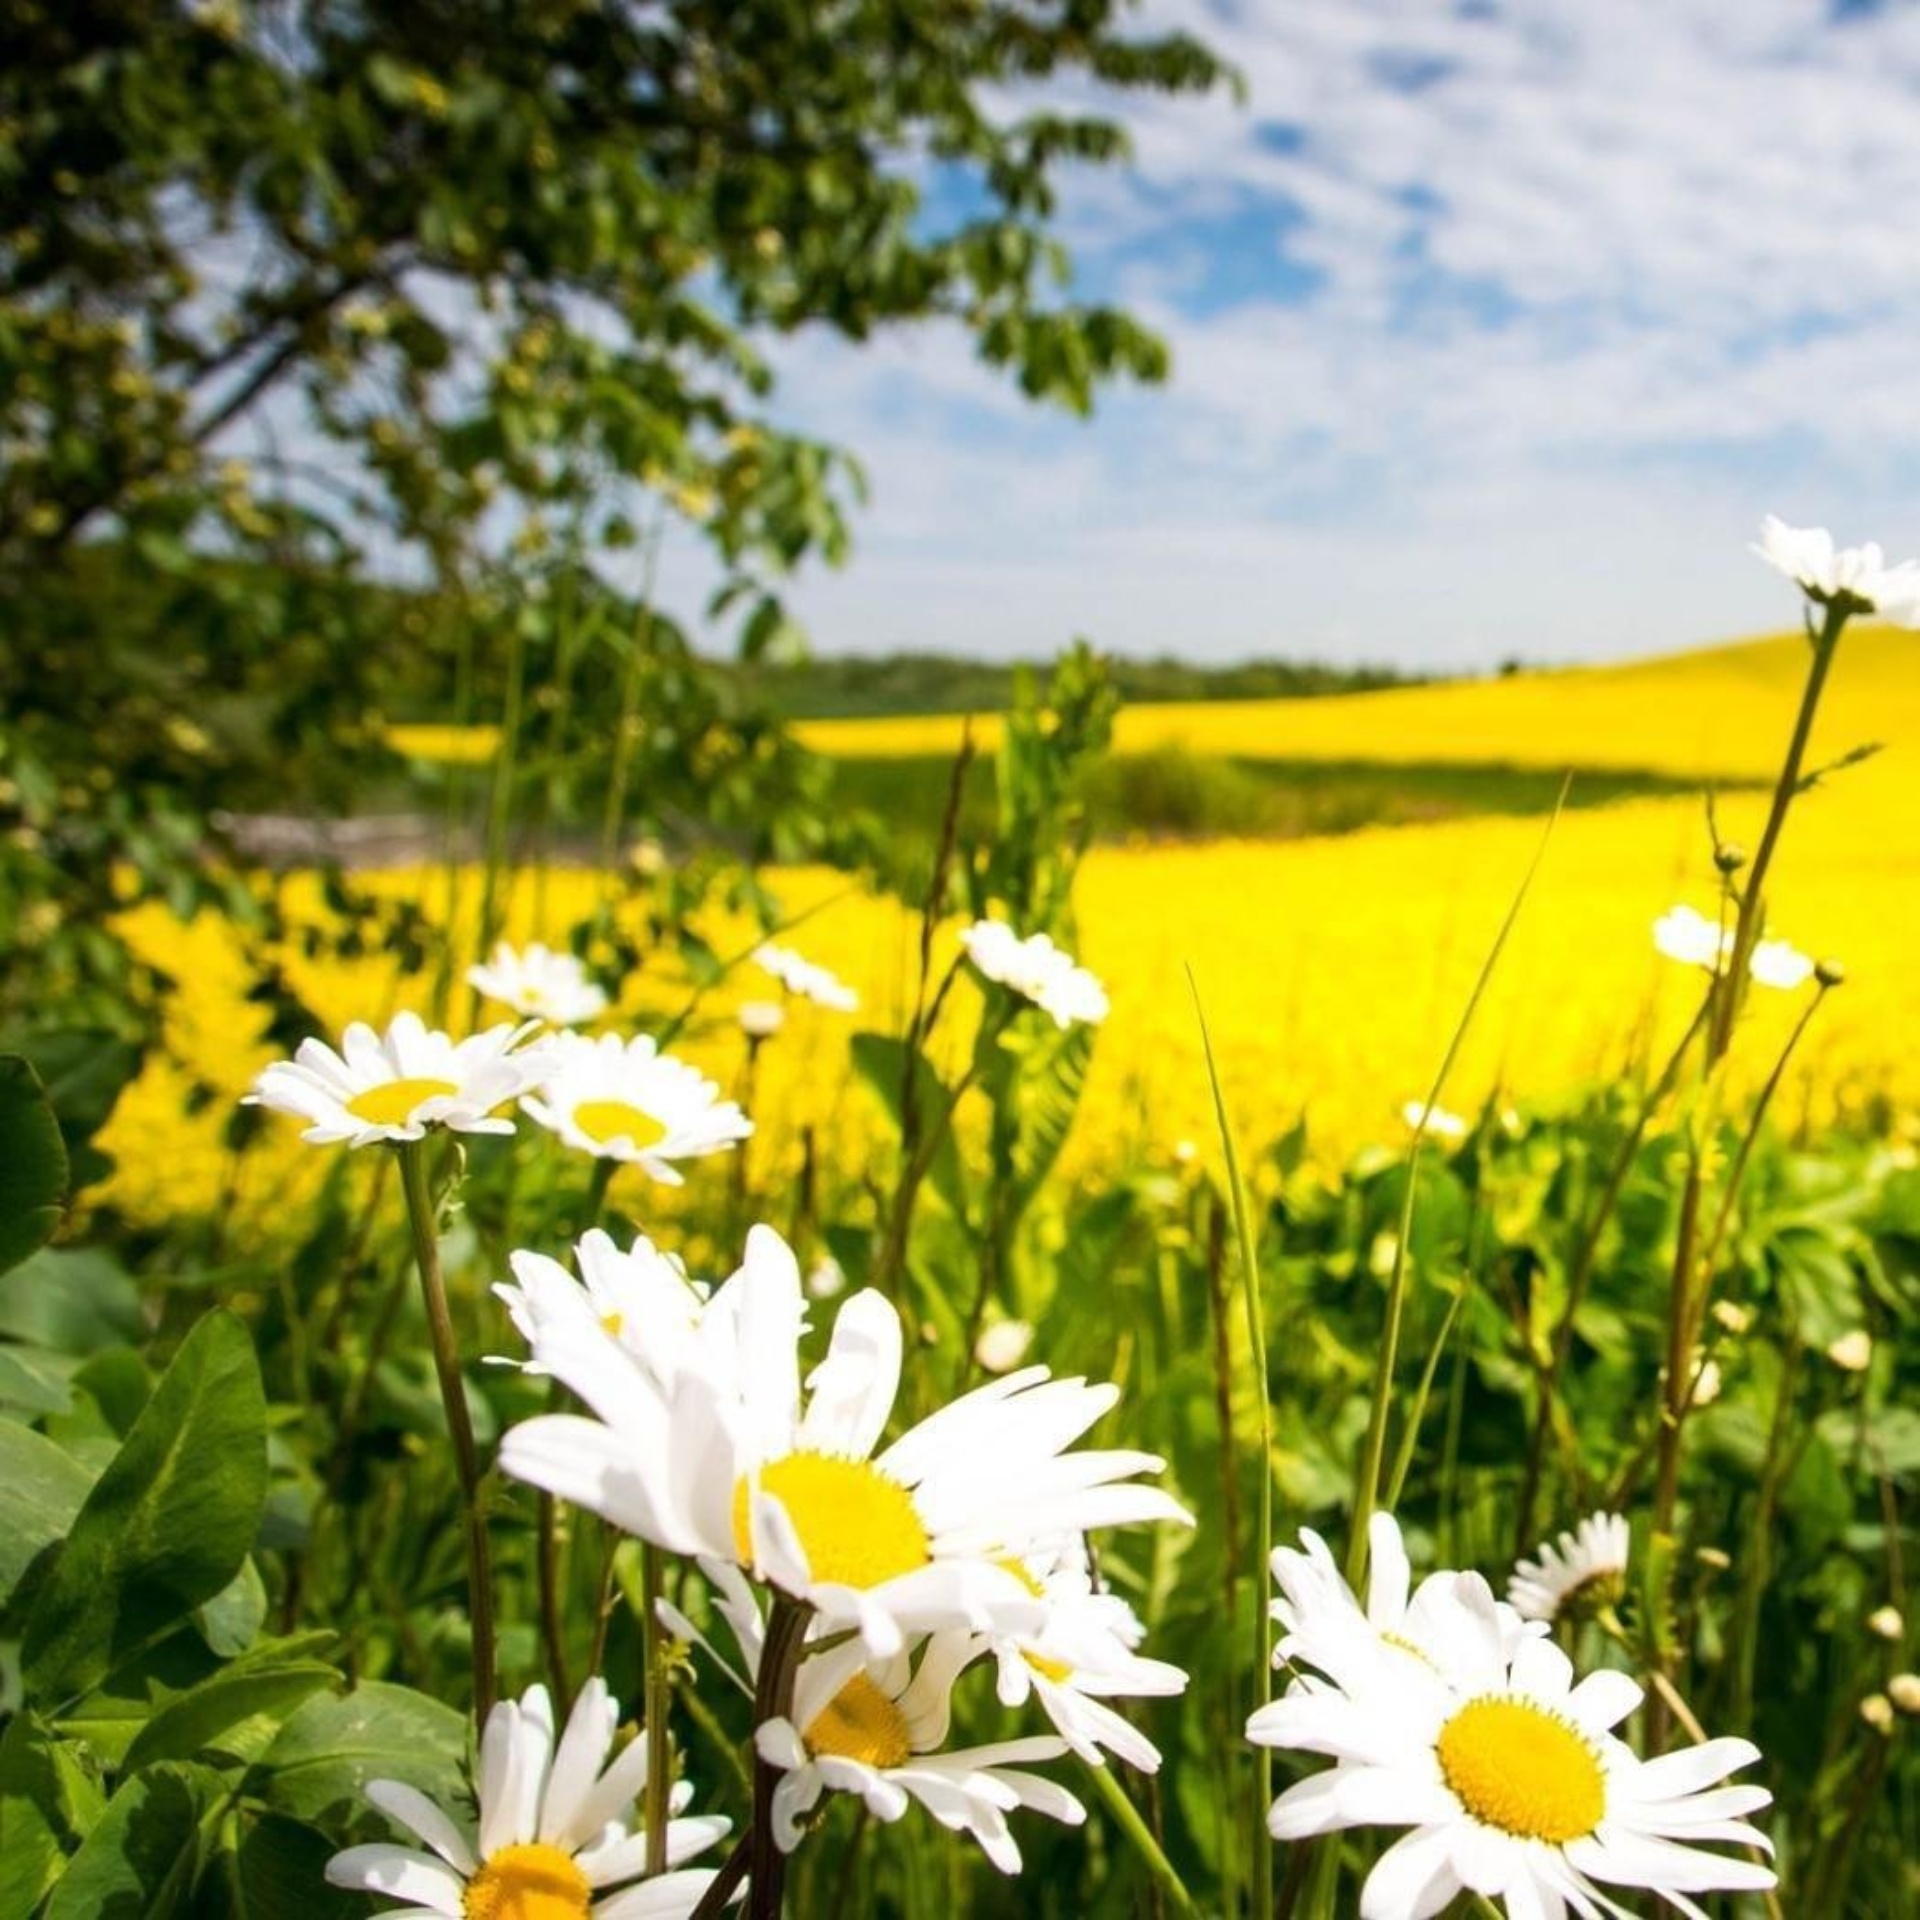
[{"x": 1333, "y": 969}]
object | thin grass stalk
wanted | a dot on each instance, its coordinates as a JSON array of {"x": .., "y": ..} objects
[
  {"x": 658, "y": 1685},
  {"x": 1263, "y": 1504},
  {"x": 1581, "y": 1274},
  {"x": 1367, "y": 1486},
  {"x": 446, "y": 1363},
  {"x": 1140, "y": 1836}
]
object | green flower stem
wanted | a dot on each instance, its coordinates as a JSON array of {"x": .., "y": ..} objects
[
  {"x": 1114, "y": 1798},
  {"x": 1263, "y": 1440},
  {"x": 446, "y": 1362},
  {"x": 772, "y": 1700},
  {"x": 659, "y": 1686}
]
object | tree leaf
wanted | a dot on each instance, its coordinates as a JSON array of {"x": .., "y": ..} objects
[
  {"x": 33, "y": 1164},
  {"x": 318, "y": 1767},
  {"x": 141, "y": 1858},
  {"x": 168, "y": 1523}
]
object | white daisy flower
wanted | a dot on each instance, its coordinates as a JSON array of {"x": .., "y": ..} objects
[
  {"x": 1326, "y": 1627},
  {"x": 729, "y": 1459},
  {"x": 623, "y": 1292},
  {"x": 539, "y": 983},
  {"x": 1037, "y": 970},
  {"x": 1781, "y": 965},
  {"x": 1510, "y": 1778},
  {"x": 1860, "y": 575},
  {"x": 1688, "y": 936},
  {"x": 626, "y": 1100},
  {"x": 1439, "y": 1123},
  {"x": 397, "y": 1084},
  {"x": 801, "y": 977},
  {"x": 876, "y": 1729},
  {"x": 1082, "y": 1655},
  {"x": 1583, "y": 1569},
  {"x": 556, "y": 1838}
]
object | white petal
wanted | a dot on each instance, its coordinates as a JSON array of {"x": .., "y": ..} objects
[
  {"x": 413, "y": 1810},
  {"x": 403, "y": 1873}
]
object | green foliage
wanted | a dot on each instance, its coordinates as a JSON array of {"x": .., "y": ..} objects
[{"x": 33, "y": 1163}]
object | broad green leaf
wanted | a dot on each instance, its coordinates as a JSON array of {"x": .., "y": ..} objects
[
  {"x": 84, "y": 1071},
  {"x": 236, "y": 1712},
  {"x": 141, "y": 1859},
  {"x": 47, "y": 1803},
  {"x": 29, "y": 1383},
  {"x": 111, "y": 1716},
  {"x": 41, "y": 1490},
  {"x": 168, "y": 1523},
  {"x": 318, "y": 1767},
  {"x": 33, "y": 1164},
  {"x": 277, "y": 1872},
  {"x": 231, "y": 1621},
  {"x": 71, "y": 1300}
]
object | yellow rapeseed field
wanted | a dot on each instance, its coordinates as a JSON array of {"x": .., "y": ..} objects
[{"x": 1333, "y": 969}]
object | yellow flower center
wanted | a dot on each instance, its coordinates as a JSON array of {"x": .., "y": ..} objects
[
  {"x": 392, "y": 1105},
  {"x": 861, "y": 1723},
  {"x": 1522, "y": 1769},
  {"x": 533, "y": 1882},
  {"x": 604, "y": 1120},
  {"x": 857, "y": 1525}
]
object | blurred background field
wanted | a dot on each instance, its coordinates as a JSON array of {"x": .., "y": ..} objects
[{"x": 1334, "y": 961}]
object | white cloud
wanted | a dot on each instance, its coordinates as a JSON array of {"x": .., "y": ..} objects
[{"x": 1502, "y": 344}]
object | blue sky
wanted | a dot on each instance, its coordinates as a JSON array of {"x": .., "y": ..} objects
[{"x": 1497, "y": 326}]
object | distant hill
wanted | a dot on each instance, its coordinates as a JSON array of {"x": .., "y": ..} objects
[{"x": 847, "y": 688}]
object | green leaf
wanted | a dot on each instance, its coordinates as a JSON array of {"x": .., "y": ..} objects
[
  {"x": 277, "y": 1872},
  {"x": 27, "y": 1382},
  {"x": 237, "y": 1711},
  {"x": 141, "y": 1859},
  {"x": 42, "y": 1488},
  {"x": 168, "y": 1523},
  {"x": 72, "y": 1301},
  {"x": 84, "y": 1071},
  {"x": 231, "y": 1621},
  {"x": 318, "y": 1767},
  {"x": 33, "y": 1164},
  {"x": 881, "y": 1061},
  {"x": 47, "y": 1803}
]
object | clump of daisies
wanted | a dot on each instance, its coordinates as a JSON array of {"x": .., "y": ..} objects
[
  {"x": 1036, "y": 970},
  {"x": 960, "y": 1543},
  {"x": 1448, "y": 1714},
  {"x": 539, "y": 984},
  {"x": 556, "y": 1836}
]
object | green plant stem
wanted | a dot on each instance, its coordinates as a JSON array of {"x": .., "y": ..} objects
[
  {"x": 1743, "y": 1154},
  {"x": 553, "y": 1638},
  {"x": 1580, "y": 1275},
  {"x": 1367, "y": 1485},
  {"x": 772, "y": 1700},
  {"x": 1113, "y": 1797},
  {"x": 1263, "y": 1504},
  {"x": 658, "y": 1683},
  {"x": 446, "y": 1362}
]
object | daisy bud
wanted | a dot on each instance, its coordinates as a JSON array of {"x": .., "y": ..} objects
[
  {"x": 1730, "y": 856},
  {"x": 1714, "y": 1559},
  {"x": 1706, "y": 1385},
  {"x": 761, "y": 1019},
  {"x": 1002, "y": 1346},
  {"x": 1904, "y": 1691},
  {"x": 1885, "y": 1623},
  {"x": 1877, "y": 1711},
  {"x": 1852, "y": 1352},
  {"x": 825, "y": 1278},
  {"x": 1830, "y": 972},
  {"x": 1732, "y": 1317}
]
